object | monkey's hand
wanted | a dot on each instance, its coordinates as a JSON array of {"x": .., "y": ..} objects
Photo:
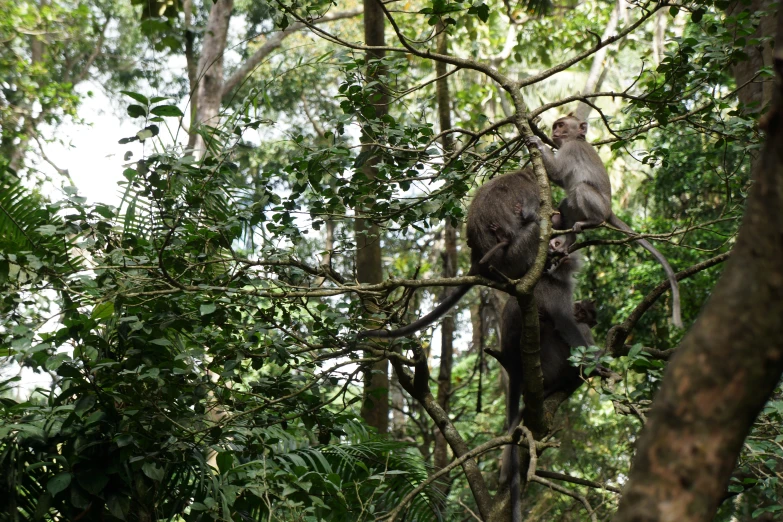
[{"x": 534, "y": 141}]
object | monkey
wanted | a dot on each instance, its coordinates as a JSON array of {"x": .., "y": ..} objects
[
  {"x": 578, "y": 169},
  {"x": 502, "y": 229},
  {"x": 560, "y": 327},
  {"x": 585, "y": 312},
  {"x": 559, "y": 331}
]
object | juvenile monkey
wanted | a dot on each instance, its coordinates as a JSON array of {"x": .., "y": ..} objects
[
  {"x": 585, "y": 312},
  {"x": 588, "y": 203},
  {"x": 502, "y": 230}
]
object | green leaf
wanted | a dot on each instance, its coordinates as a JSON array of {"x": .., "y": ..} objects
[
  {"x": 148, "y": 132},
  {"x": 166, "y": 110},
  {"x": 483, "y": 12},
  {"x": 118, "y": 506},
  {"x": 123, "y": 440},
  {"x": 225, "y": 462},
  {"x": 153, "y": 471},
  {"x": 47, "y": 230},
  {"x": 58, "y": 483},
  {"x": 84, "y": 404},
  {"x": 103, "y": 311},
  {"x": 673, "y": 11},
  {"x": 95, "y": 417},
  {"x": 137, "y": 111},
  {"x": 136, "y": 96},
  {"x": 93, "y": 481},
  {"x": 207, "y": 309}
]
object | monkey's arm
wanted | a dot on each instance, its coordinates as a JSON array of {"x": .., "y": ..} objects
[{"x": 551, "y": 162}]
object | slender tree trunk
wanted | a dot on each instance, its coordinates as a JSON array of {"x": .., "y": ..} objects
[
  {"x": 449, "y": 257},
  {"x": 375, "y": 408},
  {"x": 210, "y": 71},
  {"x": 659, "y": 34},
  {"x": 398, "y": 405},
  {"x": 17, "y": 152},
  {"x": 192, "y": 67},
  {"x": 600, "y": 62},
  {"x": 726, "y": 367}
]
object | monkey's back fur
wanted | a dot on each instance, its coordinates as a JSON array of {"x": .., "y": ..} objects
[
  {"x": 502, "y": 227},
  {"x": 504, "y": 209}
]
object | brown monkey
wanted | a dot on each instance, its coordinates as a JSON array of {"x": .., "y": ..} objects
[
  {"x": 558, "y": 326},
  {"x": 588, "y": 203},
  {"x": 502, "y": 231},
  {"x": 559, "y": 330}
]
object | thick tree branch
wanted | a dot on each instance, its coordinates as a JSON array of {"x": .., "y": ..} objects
[{"x": 726, "y": 367}]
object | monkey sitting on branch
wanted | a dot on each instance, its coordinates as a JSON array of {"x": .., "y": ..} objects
[
  {"x": 559, "y": 331},
  {"x": 578, "y": 169},
  {"x": 502, "y": 230},
  {"x": 559, "y": 374}
]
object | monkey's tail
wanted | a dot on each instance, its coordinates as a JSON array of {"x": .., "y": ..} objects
[
  {"x": 428, "y": 319},
  {"x": 502, "y": 244},
  {"x": 676, "y": 314},
  {"x": 516, "y": 482}
]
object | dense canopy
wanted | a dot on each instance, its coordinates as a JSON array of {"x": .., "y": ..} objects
[{"x": 183, "y": 343}]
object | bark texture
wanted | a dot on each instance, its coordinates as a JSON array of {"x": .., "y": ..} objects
[
  {"x": 726, "y": 367},
  {"x": 375, "y": 409},
  {"x": 756, "y": 94},
  {"x": 210, "y": 69},
  {"x": 449, "y": 257}
]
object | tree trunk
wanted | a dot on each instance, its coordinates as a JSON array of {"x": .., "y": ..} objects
[
  {"x": 210, "y": 72},
  {"x": 449, "y": 256},
  {"x": 16, "y": 152},
  {"x": 600, "y": 62},
  {"x": 758, "y": 94},
  {"x": 726, "y": 367},
  {"x": 375, "y": 408},
  {"x": 659, "y": 37}
]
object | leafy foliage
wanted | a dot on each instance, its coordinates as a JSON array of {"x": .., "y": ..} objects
[{"x": 202, "y": 354}]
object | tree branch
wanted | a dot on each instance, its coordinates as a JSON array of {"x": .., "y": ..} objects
[{"x": 273, "y": 42}]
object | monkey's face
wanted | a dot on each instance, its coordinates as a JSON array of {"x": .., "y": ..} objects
[
  {"x": 560, "y": 132},
  {"x": 568, "y": 128},
  {"x": 558, "y": 245}
]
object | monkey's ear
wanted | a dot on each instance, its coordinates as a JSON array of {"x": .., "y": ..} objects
[{"x": 583, "y": 128}]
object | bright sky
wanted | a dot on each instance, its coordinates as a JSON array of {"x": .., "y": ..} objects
[{"x": 90, "y": 152}]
